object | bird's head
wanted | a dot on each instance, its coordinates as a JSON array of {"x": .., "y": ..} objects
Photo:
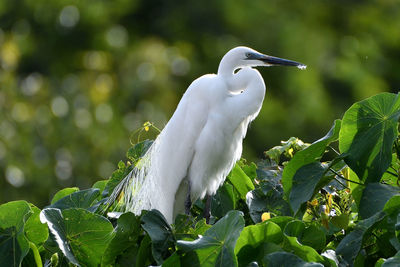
[{"x": 242, "y": 56}]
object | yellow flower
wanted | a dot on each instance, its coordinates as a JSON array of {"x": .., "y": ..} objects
[
  {"x": 314, "y": 202},
  {"x": 265, "y": 216},
  {"x": 146, "y": 126},
  {"x": 329, "y": 204},
  {"x": 290, "y": 151}
]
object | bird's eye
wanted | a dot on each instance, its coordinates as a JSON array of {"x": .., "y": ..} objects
[{"x": 248, "y": 55}]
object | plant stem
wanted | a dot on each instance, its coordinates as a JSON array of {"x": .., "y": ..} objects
[
  {"x": 342, "y": 177},
  {"x": 334, "y": 150},
  {"x": 36, "y": 255},
  {"x": 337, "y": 180}
]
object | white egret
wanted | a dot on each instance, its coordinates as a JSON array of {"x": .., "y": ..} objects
[{"x": 200, "y": 144}]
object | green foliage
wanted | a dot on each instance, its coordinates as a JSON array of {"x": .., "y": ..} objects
[
  {"x": 301, "y": 206},
  {"x": 368, "y": 132},
  {"x": 216, "y": 246}
]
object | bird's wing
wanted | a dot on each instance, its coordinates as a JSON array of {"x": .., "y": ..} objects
[{"x": 177, "y": 140}]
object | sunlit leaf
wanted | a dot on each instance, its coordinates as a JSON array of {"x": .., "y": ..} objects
[
  {"x": 240, "y": 181},
  {"x": 255, "y": 241},
  {"x": 35, "y": 231},
  {"x": 80, "y": 199},
  {"x": 63, "y": 193},
  {"x": 77, "y": 233},
  {"x": 368, "y": 131}
]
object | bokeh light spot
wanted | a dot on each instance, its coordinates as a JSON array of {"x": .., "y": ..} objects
[
  {"x": 117, "y": 36},
  {"x": 15, "y": 176},
  {"x": 9, "y": 55},
  {"x": 83, "y": 118},
  {"x": 95, "y": 60},
  {"x": 31, "y": 84},
  {"x": 59, "y": 106},
  {"x": 104, "y": 113},
  {"x": 69, "y": 16},
  {"x": 63, "y": 170},
  {"x": 20, "y": 112}
]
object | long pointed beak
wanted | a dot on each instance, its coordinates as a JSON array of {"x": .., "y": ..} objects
[
  {"x": 270, "y": 60},
  {"x": 276, "y": 61}
]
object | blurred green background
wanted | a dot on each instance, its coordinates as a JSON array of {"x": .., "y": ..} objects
[{"x": 77, "y": 78}]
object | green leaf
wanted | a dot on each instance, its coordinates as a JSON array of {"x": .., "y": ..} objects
[
  {"x": 281, "y": 221},
  {"x": 173, "y": 261},
  {"x": 293, "y": 234},
  {"x": 223, "y": 201},
  {"x": 278, "y": 259},
  {"x": 13, "y": 247},
  {"x": 304, "y": 183},
  {"x": 392, "y": 206},
  {"x": 268, "y": 196},
  {"x": 309, "y": 235},
  {"x": 216, "y": 246},
  {"x": 240, "y": 181},
  {"x": 201, "y": 227},
  {"x": 350, "y": 245},
  {"x": 81, "y": 199},
  {"x": 160, "y": 232},
  {"x": 126, "y": 235},
  {"x": 14, "y": 213},
  {"x": 287, "y": 148},
  {"x": 100, "y": 185},
  {"x": 35, "y": 231},
  {"x": 392, "y": 262},
  {"x": 13, "y": 244},
  {"x": 144, "y": 253},
  {"x": 369, "y": 129},
  {"x": 374, "y": 198},
  {"x": 78, "y": 232},
  {"x": 341, "y": 221},
  {"x": 310, "y": 154},
  {"x": 116, "y": 177},
  {"x": 56, "y": 224},
  {"x": 255, "y": 241},
  {"x": 63, "y": 193},
  {"x": 314, "y": 237}
]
